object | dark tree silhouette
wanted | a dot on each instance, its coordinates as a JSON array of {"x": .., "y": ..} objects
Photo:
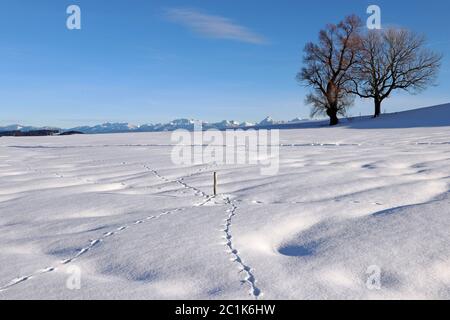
[
  {"x": 329, "y": 66},
  {"x": 393, "y": 59}
]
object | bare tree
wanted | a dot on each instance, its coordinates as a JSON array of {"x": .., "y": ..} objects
[
  {"x": 393, "y": 59},
  {"x": 329, "y": 66}
]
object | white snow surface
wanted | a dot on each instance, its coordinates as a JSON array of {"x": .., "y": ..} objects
[{"x": 138, "y": 227}]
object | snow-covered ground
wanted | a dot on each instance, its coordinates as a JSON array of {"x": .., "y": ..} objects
[{"x": 136, "y": 226}]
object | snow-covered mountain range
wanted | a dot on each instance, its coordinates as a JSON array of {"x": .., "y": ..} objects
[{"x": 187, "y": 124}]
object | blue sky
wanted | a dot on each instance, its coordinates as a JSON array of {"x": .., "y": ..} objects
[{"x": 144, "y": 61}]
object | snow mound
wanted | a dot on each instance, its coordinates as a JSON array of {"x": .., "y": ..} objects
[{"x": 437, "y": 116}]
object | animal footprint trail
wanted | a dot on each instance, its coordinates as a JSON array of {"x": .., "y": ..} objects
[
  {"x": 97, "y": 242},
  {"x": 197, "y": 191},
  {"x": 208, "y": 200},
  {"x": 180, "y": 181},
  {"x": 19, "y": 280},
  {"x": 259, "y": 202},
  {"x": 83, "y": 251},
  {"x": 250, "y": 279}
]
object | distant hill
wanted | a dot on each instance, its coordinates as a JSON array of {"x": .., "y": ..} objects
[
  {"x": 436, "y": 116},
  {"x": 70, "y": 133},
  {"x": 31, "y": 133}
]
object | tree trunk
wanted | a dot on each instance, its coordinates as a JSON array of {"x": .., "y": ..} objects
[
  {"x": 332, "y": 93},
  {"x": 332, "y": 113},
  {"x": 377, "y": 108}
]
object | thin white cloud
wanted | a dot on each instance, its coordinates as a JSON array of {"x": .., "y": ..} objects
[{"x": 213, "y": 26}]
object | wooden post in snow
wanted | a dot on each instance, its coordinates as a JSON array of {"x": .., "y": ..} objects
[{"x": 215, "y": 183}]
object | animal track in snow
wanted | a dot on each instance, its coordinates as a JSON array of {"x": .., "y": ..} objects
[
  {"x": 180, "y": 181},
  {"x": 19, "y": 280},
  {"x": 258, "y": 202},
  {"x": 83, "y": 251},
  {"x": 97, "y": 242},
  {"x": 255, "y": 292}
]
